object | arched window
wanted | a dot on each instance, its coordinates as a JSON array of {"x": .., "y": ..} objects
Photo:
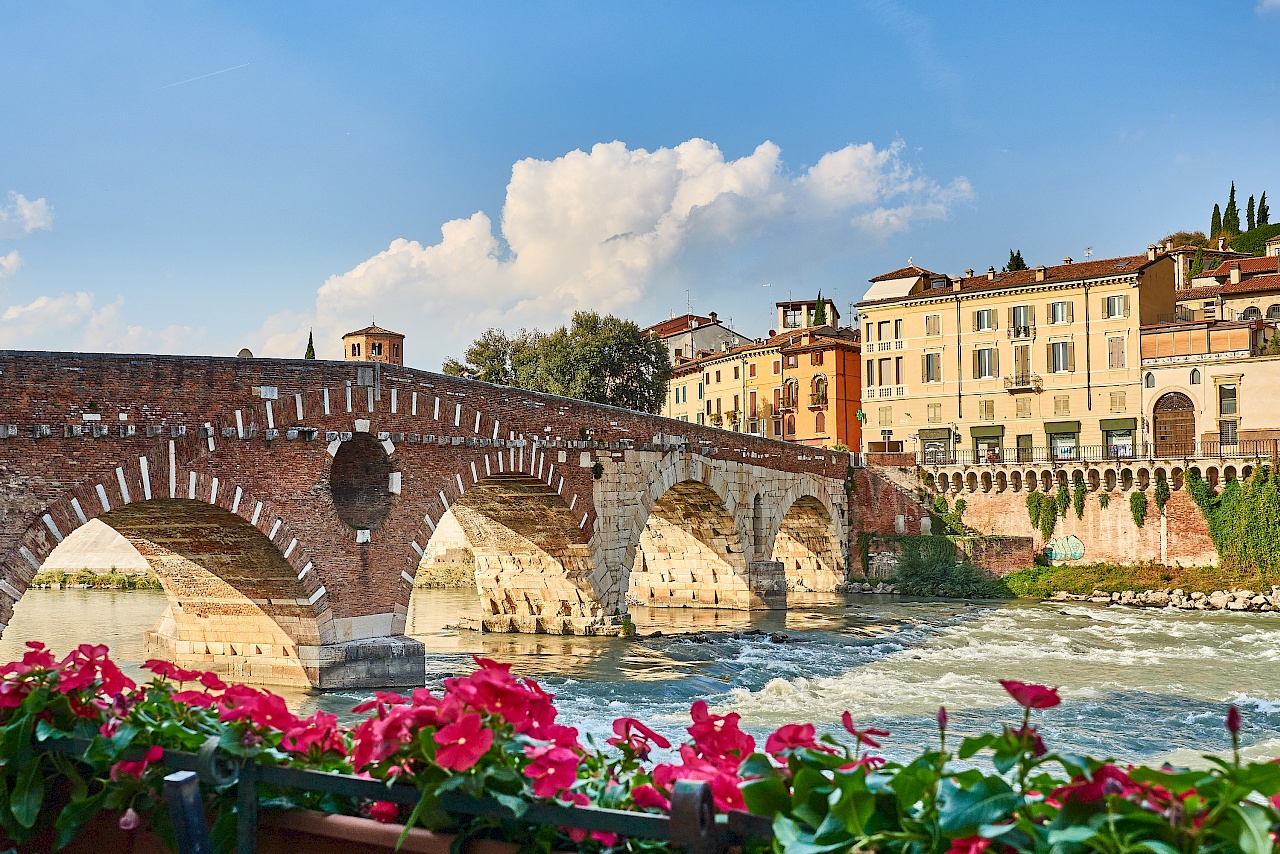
[
  {"x": 1252, "y": 313},
  {"x": 1273, "y": 312},
  {"x": 818, "y": 390},
  {"x": 790, "y": 394},
  {"x": 1150, "y": 380},
  {"x": 791, "y": 425},
  {"x": 820, "y": 423},
  {"x": 1195, "y": 376}
]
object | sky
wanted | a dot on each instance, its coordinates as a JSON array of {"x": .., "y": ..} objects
[{"x": 200, "y": 177}]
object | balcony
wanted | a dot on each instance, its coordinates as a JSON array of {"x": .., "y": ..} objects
[
  {"x": 1023, "y": 381},
  {"x": 1022, "y": 333},
  {"x": 1243, "y": 449},
  {"x": 787, "y": 404},
  {"x": 818, "y": 400}
]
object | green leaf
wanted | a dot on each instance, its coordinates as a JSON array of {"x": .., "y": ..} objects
[
  {"x": 970, "y": 746},
  {"x": 28, "y": 794},
  {"x": 517, "y": 805},
  {"x": 766, "y": 796},
  {"x": 963, "y": 810},
  {"x": 1073, "y": 834},
  {"x": 73, "y": 817},
  {"x": 792, "y": 839},
  {"x": 852, "y": 802},
  {"x": 1254, "y": 829},
  {"x": 1158, "y": 847},
  {"x": 757, "y": 765}
]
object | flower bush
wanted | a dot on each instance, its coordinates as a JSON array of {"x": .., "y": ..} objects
[{"x": 490, "y": 733}]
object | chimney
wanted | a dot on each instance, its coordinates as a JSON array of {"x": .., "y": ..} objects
[
  {"x": 991, "y": 274},
  {"x": 1235, "y": 272},
  {"x": 1151, "y": 252},
  {"x": 1040, "y": 273},
  {"x": 712, "y": 315},
  {"x": 1222, "y": 243},
  {"x": 1168, "y": 245},
  {"x": 968, "y": 274},
  {"x": 1066, "y": 260}
]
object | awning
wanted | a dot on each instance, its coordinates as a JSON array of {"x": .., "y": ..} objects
[
  {"x": 1118, "y": 424},
  {"x": 1062, "y": 426},
  {"x": 987, "y": 432},
  {"x": 933, "y": 433}
]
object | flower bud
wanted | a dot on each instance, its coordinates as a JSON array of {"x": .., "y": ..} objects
[
  {"x": 130, "y": 819},
  {"x": 942, "y": 717},
  {"x": 1233, "y": 720}
]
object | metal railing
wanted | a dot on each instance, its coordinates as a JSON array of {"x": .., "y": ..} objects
[
  {"x": 1022, "y": 333},
  {"x": 1024, "y": 380},
  {"x": 692, "y": 822},
  {"x": 1189, "y": 450},
  {"x": 818, "y": 400}
]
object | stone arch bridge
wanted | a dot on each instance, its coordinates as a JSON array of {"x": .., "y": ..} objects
[{"x": 286, "y": 504}]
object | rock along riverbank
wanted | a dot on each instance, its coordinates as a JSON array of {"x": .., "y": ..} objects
[{"x": 1218, "y": 600}]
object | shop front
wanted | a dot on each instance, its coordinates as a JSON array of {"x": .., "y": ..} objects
[
  {"x": 988, "y": 444},
  {"x": 1063, "y": 439},
  {"x": 1118, "y": 435},
  {"x": 936, "y": 445}
]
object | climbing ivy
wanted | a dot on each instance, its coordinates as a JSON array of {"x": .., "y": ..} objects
[
  {"x": 1033, "y": 507},
  {"x": 1243, "y": 520},
  {"x": 1162, "y": 490},
  {"x": 1063, "y": 500},
  {"x": 1138, "y": 507},
  {"x": 1077, "y": 499},
  {"x": 1048, "y": 517},
  {"x": 1104, "y": 500}
]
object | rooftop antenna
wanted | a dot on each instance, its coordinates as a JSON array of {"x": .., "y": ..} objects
[{"x": 1088, "y": 252}]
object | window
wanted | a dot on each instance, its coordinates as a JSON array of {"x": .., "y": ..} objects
[
  {"x": 1149, "y": 380},
  {"x": 735, "y": 372},
  {"x": 777, "y": 367},
  {"x": 1061, "y": 404},
  {"x": 735, "y": 403},
  {"x": 717, "y": 376},
  {"x": 933, "y": 324},
  {"x": 1116, "y": 306},
  {"x": 790, "y": 391},
  {"x": 897, "y": 330},
  {"x": 777, "y": 427},
  {"x": 886, "y": 372},
  {"x": 791, "y": 318},
  {"x": 1227, "y": 400},
  {"x": 708, "y": 406},
  {"x": 395, "y": 349},
  {"x": 1117, "y": 401},
  {"x": 1115, "y": 351},
  {"x": 886, "y": 415},
  {"x": 701, "y": 418},
  {"x": 793, "y": 361},
  {"x": 1024, "y": 407},
  {"x": 1062, "y": 356},
  {"x": 897, "y": 371},
  {"x": 932, "y": 367},
  {"x": 1021, "y": 318},
  {"x": 983, "y": 320},
  {"x": 820, "y": 423},
  {"x": 751, "y": 370},
  {"x": 1060, "y": 312},
  {"x": 986, "y": 410},
  {"x": 815, "y": 358},
  {"x": 818, "y": 391},
  {"x": 706, "y": 378},
  {"x": 1195, "y": 376},
  {"x": 935, "y": 413},
  {"x": 791, "y": 425},
  {"x": 700, "y": 387},
  {"x": 869, "y": 327},
  {"x": 375, "y": 348},
  {"x": 1227, "y": 434},
  {"x": 882, "y": 334},
  {"x": 751, "y": 400},
  {"x": 355, "y": 349},
  {"x": 871, "y": 371},
  {"x": 984, "y": 363}
]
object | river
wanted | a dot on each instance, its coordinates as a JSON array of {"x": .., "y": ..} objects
[{"x": 1149, "y": 685}]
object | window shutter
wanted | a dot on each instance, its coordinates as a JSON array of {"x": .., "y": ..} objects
[
  {"x": 1010, "y": 317},
  {"x": 1103, "y": 312},
  {"x": 1048, "y": 358},
  {"x": 924, "y": 369},
  {"x": 975, "y": 364},
  {"x": 975, "y": 321},
  {"x": 1070, "y": 312},
  {"x": 1031, "y": 315},
  {"x": 1071, "y": 356},
  {"x": 995, "y": 319},
  {"x": 995, "y": 361},
  {"x": 1126, "y": 305}
]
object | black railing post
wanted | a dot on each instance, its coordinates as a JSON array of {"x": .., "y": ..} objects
[
  {"x": 186, "y": 811},
  {"x": 693, "y": 818},
  {"x": 247, "y": 809}
]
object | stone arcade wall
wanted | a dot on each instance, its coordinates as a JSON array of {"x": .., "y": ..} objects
[{"x": 346, "y": 469}]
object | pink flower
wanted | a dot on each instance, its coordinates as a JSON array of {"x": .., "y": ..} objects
[
  {"x": 1037, "y": 743},
  {"x": 968, "y": 845},
  {"x": 130, "y": 820},
  {"x": 724, "y": 783},
  {"x": 384, "y": 811},
  {"x": 194, "y": 698},
  {"x": 793, "y": 737},
  {"x": 460, "y": 745},
  {"x": 647, "y": 797},
  {"x": 212, "y": 682},
  {"x": 636, "y": 737},
  {"x": 718, "y": 738},
  {"x": 942, "y": 717},
  {"x": 552, "y": 770},
  {"x": 136, "y": 768},
  {"x": 320, "y": 730},
  {"x": 1106, "y": 780},
  {"x": 866, "y": 736},
  {"x": 262, "y": 708},
  {"x": 380, "y": 699},
  {"x": 1031, "y": 696}
]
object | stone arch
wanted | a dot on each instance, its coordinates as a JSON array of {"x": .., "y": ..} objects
[
  {"x": 1126, "y": 479},
  {"x": 1174, "y": 425},
  {"x": 1111, "y": 480},
  {"x": 1144, "y": 479},
  {"x": 1015, "y": 480},
  {"x": 245, "y": 599},
  {"x": 1002, "y": 481},
  {"x": 971, "y": 482},
  {"x": 943, "y": 482},
  {"x": 1095, "y": 480},
  {"x": 1033, "y": 481},
  {"x": 807, "y": 544},
  {"x": 986, "y": 481},
  {"x": 1211, "y": 476},
  {"x": 1245, "y": 471},
  {"x": 690, "y": 552},
  {"x": 1046, "y": 481},
  {"x": 1176, "y": 479},
  {"x": 1229, "y": 473}
]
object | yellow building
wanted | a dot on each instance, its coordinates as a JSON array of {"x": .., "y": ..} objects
[{"x": 1028, "y": 365}]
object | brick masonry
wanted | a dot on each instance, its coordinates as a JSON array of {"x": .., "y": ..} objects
[{"x": 345, "y": 469}]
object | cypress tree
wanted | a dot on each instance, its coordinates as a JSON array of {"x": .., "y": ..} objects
[
  {"x": 1216, "y": 228},
  {"x": 1231, "y": 216},
  {"x": 1249, "y": 217},
  {"x": 820, "y": 312},
  {"x": 311, "y": 346},
  {"x": 1264, "y": 213},
  {"x": 1197, "y": 265},
  {"x": 1015, "y": 262}
]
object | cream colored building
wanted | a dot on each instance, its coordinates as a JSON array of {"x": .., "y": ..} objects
[{"x": 1030, "y": 365}]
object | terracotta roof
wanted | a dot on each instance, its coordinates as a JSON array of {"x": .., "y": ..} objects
[
  {"x": 1266, "y": 264},
  {"x": 1206, "y": 292},
  {"x": 676, "y": 325},
  {"x": 1058, "y": 273},
  {"x": 373, "y": 330},
  {"x": 910, "y": 270},
  {"x": 1253, "y": 284},
  {"x": 779, "y": 341}
]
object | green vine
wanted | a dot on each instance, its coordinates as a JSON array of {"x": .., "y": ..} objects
[
  {"x": 1034, "y": 500},
  {"x": 1138, "y": 507},
  {"x": 1104, "y": 500},
  {"x": 1048, "y": 517},
  {"x": 1063, "y": 500},
  {"x": 1077, "y": 497},
  {"x": 1243, "y": 520},
  {"x": 1162, "y": 490},
  {"x": 597, "y": 471}
]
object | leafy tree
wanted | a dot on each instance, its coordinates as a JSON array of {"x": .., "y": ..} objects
[
  {"x": 1264, "y": 212},
  {"x": 1185, "y": 238},
  {"x": 1231, "y": 216},
  {"x": 311, "y": 346},
  {"x": 1197, "y": 264},
  {"x": 1249, "y": 214},
  {"x": 1215, "y": 227},
  {"x": 820, "y": 312},
  {"x": 602, "y": 359},
  {"x": 1015, "y": 262}
]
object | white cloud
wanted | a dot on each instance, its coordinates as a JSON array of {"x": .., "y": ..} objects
[
  {"x": 601, "y": 230},
  {"x": 10, "y": 263},
  {"x": 77, "y": 322},
  {"x": 1268, "y": 6},
  {"x": 20, "y": 216}
]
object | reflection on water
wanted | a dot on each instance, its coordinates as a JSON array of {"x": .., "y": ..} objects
[{"x": 1147, "y": 684}]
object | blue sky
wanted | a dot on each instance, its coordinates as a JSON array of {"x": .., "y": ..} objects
[{"x": 202, "y": 177}]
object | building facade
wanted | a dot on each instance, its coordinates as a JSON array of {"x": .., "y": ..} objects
[
  {"x": 691, "y": 337},
  {"x": 373, "y": 344},
  {"x": 1024, "y": 365}
]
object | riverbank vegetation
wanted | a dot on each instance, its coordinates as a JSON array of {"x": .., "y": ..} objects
[
  {"x": 492, "y": 734},
  {"x": 1244, "y": 521},
  {"x": 1040, "y": 582},
  {"x": 88, "y": 579}
]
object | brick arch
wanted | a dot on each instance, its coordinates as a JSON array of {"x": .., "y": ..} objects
[
  {"x": 270, "y": 620},
  {"x": 806, "y": 537}
]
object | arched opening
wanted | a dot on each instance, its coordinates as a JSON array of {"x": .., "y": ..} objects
[
  {"x": 1033, "y": 481},
  {"x": 1245, "y": 471},
  {"x": 1229, "y": 473},
  {"x": 1251, "y": 313},
  {"x": 1002, "y": 481},
  {"x": 690, "y": 554},
  {"x": 531, "y": 562},
  {"x": 1195, "y": 376},
  {"x": 757, "y": 525},
  {"x": 1126, "y": 479},
  {"x": 1211, "y": 476},
  {"x": 1273, "y": 311},
  {"x": 1111, "y": 480},
  {"x": 1175, "y": 425},
  {"x": 1046, "y": 481},
  {"x": 1095, "y": 480},
  {"x": 820, "y": 422},
  {"x": 944, "y": 482},
  {"x": 1176, "y": 480},
  {"x": 971, "y": 482},
  {"x": 809, "y": 548},
  {"x": 986, "y": 481},
  {"x": 1144, "y": 479},
  {"x": 359, "y": 481},
  {"x": 1015, "y": 480}
]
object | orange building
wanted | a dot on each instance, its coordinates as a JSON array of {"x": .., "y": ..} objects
[{"x": 373, "y": 344}]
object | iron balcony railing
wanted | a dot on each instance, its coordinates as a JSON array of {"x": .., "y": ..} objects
[
  {"x": 692, "y": 822},
  {"x": 1173, "y": 450},
  {"x": 1024, "y": 381},
  {"x": 817, "y": 400},
  {"x": 1022, "y": 333}
]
